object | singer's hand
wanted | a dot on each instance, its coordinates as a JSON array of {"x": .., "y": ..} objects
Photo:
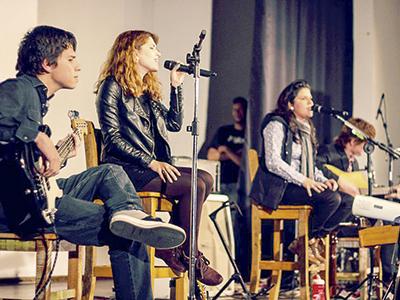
[
  {"x": 176, "y": 77},
  {"x": 331, "y": 184},
  {"x": 166, "y": 171},
  {"x": 311, "y": 185}
]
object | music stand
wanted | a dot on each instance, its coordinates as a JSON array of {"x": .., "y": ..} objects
[{"x": 236, "y": 276}]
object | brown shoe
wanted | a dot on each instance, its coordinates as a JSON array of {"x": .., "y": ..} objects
[
  {"x": 204, "y": 273},
  {"x": 294, "y": 247},
  {"x": 173, "y": 258},
  {"x": 314, "y": 245}
]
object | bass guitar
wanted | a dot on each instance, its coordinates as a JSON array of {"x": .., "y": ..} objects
[{"x": 41, "y": 192}]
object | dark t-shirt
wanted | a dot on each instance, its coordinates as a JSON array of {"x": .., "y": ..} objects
[{"x": 234, "y": 140}]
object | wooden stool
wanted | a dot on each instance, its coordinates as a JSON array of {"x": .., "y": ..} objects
[
  {"x": 44, "y": 247},
  {"x": 300, "y": 214}
]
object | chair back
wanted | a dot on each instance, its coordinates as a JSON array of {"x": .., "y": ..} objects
[
  {"x": 92, "y": 141},
  {"x": 253, "y": 163}
]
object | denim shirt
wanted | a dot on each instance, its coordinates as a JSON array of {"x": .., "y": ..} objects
[{"x": 23, "y": 103}]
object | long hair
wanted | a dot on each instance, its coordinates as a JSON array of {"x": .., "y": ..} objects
[
  {"x": 287, "y": 96},
  {"x": 42, "y": 42},
  {"x": 121, "y": 64},
  {"x": 346, "y": 133}
]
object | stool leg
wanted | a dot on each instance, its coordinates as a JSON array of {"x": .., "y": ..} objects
[
  {"x": 181, "y": 288},
  {"x": 362, "y": 272},
  {"x": 75, "y": 271},
  {"x": 256, "y": 249},
  {"x": 276, "y": 276},
  {"x": 303, "y": 257},
  {"x": 89, "y": 277},
  {"x": 325, "y": 274}
]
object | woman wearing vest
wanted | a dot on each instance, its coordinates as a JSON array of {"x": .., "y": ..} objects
[{"x": 287, "y": 173}]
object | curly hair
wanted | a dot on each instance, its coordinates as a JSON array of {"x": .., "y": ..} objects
[
  {"x": 42, "y": 42},
  {"x": 121, "y": 65},
  {"x": 346, "y": 133},
  {"x": 287, "y": 96}
]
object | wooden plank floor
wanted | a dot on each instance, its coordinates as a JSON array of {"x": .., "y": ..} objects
[{"x": 24, "y": 290}]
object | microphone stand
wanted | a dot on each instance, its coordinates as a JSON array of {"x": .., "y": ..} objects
[
  {"x": 388, "y": 141},
  {"x": 193, "y": 60}
]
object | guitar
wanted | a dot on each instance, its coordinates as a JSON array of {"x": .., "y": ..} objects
[
  {"x": 359, "y": 179},
  {"x": 41, "y": 192}
]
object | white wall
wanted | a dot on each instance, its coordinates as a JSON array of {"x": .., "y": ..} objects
[
  {"x": 377, "y": 71},
  {"x": 16, "y": 17}
]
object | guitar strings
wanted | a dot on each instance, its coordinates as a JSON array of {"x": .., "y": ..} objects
[{"x": 67, "y": 146}]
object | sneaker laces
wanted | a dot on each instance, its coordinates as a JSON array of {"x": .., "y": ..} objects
[{"x": 202, "y": 263}]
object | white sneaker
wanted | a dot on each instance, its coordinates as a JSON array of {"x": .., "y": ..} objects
[{"x": 148, "y": 230}]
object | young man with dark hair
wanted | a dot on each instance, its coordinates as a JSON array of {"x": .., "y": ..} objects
[
  {"x": 47, "y": 63},
  {"x": 343, "y": 154}
]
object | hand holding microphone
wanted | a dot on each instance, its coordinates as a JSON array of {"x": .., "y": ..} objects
[
  {"x": 170, "y": 64},
  {"x": 176, "y": 77}
]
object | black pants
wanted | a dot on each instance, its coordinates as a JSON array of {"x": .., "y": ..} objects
[{"x": 328, "y": 210}]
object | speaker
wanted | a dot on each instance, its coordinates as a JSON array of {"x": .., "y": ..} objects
[{"x": 210, "y": 243}]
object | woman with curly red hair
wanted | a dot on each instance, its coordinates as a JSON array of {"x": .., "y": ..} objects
[{"x": 134, "y": 125}]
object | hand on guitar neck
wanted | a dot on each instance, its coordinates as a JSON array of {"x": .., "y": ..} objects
[
  {"x": 395, "y": 193},
  {"x": 52, "y": 161},
  {"x": 73, "y": 141}
]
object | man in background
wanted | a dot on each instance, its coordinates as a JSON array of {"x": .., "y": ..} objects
[{"x": 226, "y": 147}]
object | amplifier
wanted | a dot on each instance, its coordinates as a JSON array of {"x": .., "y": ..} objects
[{"x": 211, "y": 166}]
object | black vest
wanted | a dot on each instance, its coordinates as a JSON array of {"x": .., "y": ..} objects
[{"x": 268, "y": 188}]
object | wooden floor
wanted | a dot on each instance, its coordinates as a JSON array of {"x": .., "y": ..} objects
[{"x": 103, "y": 290}]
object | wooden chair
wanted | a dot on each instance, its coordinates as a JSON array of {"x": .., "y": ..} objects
[
  {"x": 300, "y": 214},
  {"x": 42, "y": 246},
  {"x": 152, "y": 202}
]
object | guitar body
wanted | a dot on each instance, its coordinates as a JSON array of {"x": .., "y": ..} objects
[
  {"x": 22, "y": 199},
  {"x": 28, "y": 198},
  {"x": 36, "y": 187}
]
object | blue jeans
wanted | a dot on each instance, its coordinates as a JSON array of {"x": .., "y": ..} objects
[{"x": 80, "y": 221}]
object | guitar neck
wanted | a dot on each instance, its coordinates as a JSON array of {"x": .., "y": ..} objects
[
  {"x": 66, "y": 147},
  {"x": 384, "y": 190}
]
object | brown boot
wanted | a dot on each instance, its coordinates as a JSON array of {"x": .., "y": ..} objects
[
  {"x": 173, "y": 258},
  {"x": 204, "y": 273},
  {"x": 294, "y": 247},
  {"x": 314, "y": 245}
]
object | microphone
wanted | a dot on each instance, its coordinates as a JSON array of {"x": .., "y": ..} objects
[
  {"x": 329, "y": 111},
  {"x": 170, "y": 64},
  {"x": 379, "y": 111}
]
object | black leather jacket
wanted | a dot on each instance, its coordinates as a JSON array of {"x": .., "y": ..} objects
[{"x": 125, "y": 126}]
